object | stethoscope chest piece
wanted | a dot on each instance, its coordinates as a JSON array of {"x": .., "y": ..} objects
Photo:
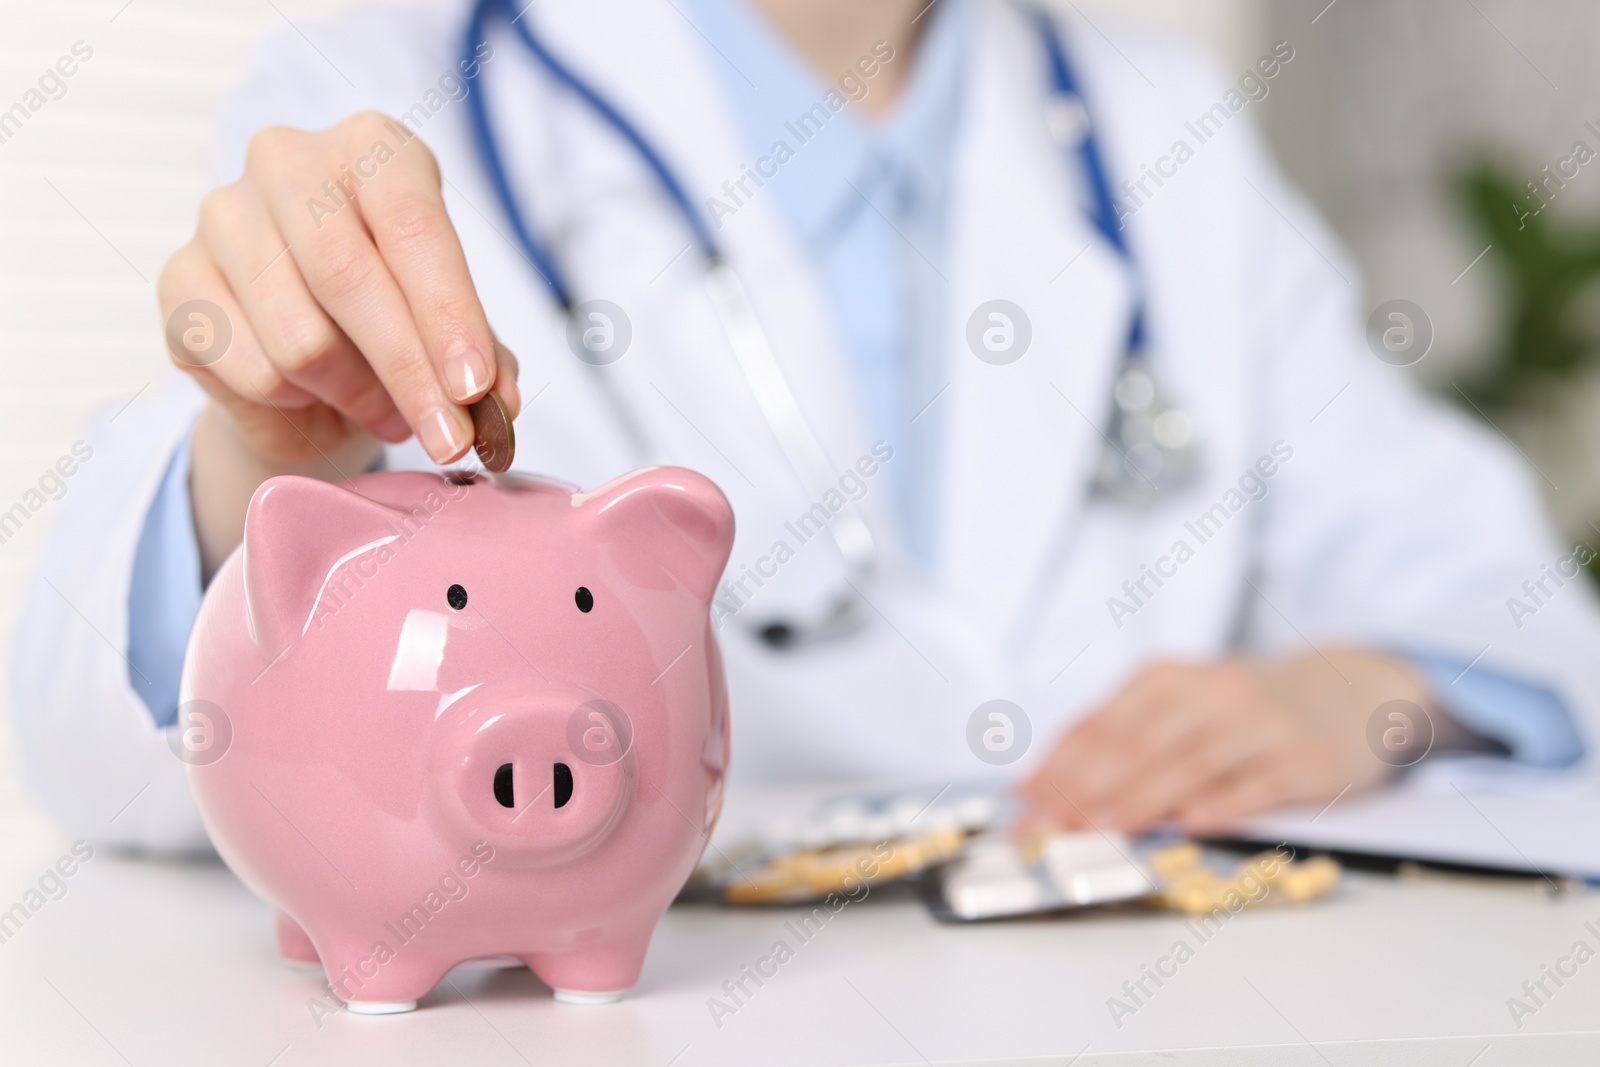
[{"x": 1153, "y": 450}]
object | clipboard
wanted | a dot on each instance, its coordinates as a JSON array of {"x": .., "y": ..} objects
[{"x": 1467, "y": 817}]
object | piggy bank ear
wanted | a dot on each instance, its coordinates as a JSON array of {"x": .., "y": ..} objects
[
  {"x": 297, "y": 531},
  {"x": 662, "y": 525}
]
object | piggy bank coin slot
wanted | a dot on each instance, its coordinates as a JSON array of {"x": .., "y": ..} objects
[
  {"x": 503, "y": 791},
  {"x": 563, "y": 784}
]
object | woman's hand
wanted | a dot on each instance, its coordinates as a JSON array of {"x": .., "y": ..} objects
[
  {"x": 354, "y": 319},
  {"x": 1206, "y": 744}
]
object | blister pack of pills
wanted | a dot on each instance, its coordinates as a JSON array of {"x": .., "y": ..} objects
[
  {"x": 955, "y": 839},
  {"x": 847, "y": 842},
  {"x": 999, "y": 878}
]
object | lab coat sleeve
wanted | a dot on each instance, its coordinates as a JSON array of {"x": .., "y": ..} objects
[
  {"x": 1401, "y": 522},
  {"x": 90, "y": 748},
  {"x": 90, "y": 751}
]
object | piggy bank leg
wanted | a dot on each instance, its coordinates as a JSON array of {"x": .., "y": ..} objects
[
  {"x": 592, "y": 974},
  {"x": 377, "y": 980},
  {"x": 293, "y": 944}
]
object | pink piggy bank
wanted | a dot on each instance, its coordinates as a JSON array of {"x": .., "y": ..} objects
[{"x": 460, "y": 716}]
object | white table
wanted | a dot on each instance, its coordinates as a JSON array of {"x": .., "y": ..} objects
[{"x": 147, "y": 963}]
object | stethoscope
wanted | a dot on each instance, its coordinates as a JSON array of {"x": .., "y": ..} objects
[
  {"x": 1150, "y": 443},
  {"x": 1150, "y": 446}
]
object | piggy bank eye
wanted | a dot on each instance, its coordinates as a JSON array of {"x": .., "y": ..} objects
[
  {"x": 457, "y": 596},
  {"x": 585, "y": 599}
]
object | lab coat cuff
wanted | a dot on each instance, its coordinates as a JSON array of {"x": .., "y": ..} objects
[
  {"x": 164, "y": 593},
  {"x": 1530, "y": 719}
]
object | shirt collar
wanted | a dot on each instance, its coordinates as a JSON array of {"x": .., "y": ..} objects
[{"x": 817, "y": 152}]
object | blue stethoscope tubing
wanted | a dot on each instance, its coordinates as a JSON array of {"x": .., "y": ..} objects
[
  {"x": 494, "y": 164},
  {"x": 1151, "y": 446},
  {"x": 1063, "y": 83},
  {"x": 746, "y": 336}
]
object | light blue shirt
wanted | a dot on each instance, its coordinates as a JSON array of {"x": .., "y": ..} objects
[
  {"x": 164, "y": 595},
  {"x": 868, "y": 202},
  {"x": 1528, "y": 718}
]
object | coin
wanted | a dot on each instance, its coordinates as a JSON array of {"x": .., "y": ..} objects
[{"x": 493, "y": 438}]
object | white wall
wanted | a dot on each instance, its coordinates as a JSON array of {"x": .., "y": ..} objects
[
  {"x": 1231, "y": 30},
  {"x": 1386, "y": 103},
  {"x": 96, "y": 189},
  {"x": 100, "y": 186}
]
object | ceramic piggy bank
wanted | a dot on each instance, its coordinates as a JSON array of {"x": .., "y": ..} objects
[{"x": 470, "y": 716}]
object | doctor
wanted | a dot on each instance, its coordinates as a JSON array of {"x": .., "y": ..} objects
[{"x": 1015, "y": 399}]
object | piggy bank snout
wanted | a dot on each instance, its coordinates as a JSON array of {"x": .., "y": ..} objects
[{"x": 544, "y": 780}]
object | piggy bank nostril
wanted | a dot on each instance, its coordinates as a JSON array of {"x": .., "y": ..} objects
[
  {"x": 502, "y": 786},
  {"x": 563, "y": 784}
]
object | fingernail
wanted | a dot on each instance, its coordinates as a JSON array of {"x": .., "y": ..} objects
[
  {"x": 441, "y": 436},
  {"x": 466, "y": 373},
  {"x": 507, "y": 388}
]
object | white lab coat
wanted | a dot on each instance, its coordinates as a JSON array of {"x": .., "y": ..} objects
[{"x": 1396, "y": 523}]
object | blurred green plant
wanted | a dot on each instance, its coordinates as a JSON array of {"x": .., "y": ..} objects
[
  {"x": 1548, "y": 270},
  {"x": 1552, "y": 278}
]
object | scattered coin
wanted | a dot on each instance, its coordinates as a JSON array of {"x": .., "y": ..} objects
[{"x": 493, "y": 438}]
